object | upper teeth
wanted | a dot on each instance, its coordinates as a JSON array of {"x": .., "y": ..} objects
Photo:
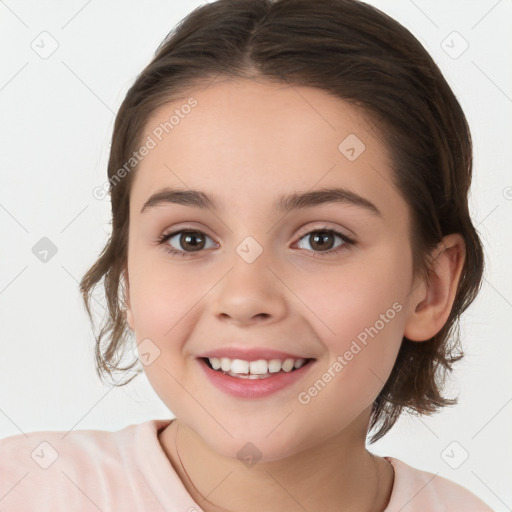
[{"x": 259, "y": 367}]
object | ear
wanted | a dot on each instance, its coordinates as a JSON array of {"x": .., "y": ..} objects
[
  {"x": 126, "y": 297},
  {"x": 432, "y": 301}
]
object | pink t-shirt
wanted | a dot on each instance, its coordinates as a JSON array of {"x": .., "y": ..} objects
[{"x": 127, "y": 470}]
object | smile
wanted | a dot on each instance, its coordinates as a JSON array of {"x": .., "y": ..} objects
[
  {"x": 253, "y": 379},
  {"x": 260, "y": 368}
]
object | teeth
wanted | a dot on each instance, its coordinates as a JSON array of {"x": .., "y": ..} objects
[
  {"x": 239, "y": 366},
  {"x": 215, "y": 362},
  {"x": 259, "y": 367},
  {"x": 274, "y": 365},
  {"x": 225, "y": 364}
]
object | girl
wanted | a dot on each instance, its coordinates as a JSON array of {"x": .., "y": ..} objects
[{"x": 292, "y": 250}]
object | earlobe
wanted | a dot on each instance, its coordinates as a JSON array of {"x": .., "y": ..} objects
[{"x": 432, "y": 301}]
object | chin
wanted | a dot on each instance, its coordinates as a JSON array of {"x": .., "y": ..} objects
[{"x": 255, "y": 443}]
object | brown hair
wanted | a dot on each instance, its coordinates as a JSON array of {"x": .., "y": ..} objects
[{"x": 364, "y": 57}]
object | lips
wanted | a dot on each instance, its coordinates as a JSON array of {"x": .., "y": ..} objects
[{"x": 253, "y": 373}]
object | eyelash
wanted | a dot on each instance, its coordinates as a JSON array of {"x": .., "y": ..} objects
[{"x": 317, "y": 254}]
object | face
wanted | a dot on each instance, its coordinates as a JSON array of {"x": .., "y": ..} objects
[{"x": 325, "y": 283}]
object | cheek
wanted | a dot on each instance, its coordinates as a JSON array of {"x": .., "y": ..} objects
[
  {"x": 162, "y": 306},
  {"x": 165, "y": 301},
  {"x": 359, "y": 358},
  {"x": 160, "y": 294},
  {"x": 349, "y": 299},
  {"x": 359, "y": 316}
]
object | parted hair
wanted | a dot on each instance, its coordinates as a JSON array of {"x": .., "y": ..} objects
[{"x": 364, "y": 57}]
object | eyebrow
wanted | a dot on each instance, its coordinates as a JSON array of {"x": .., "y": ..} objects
[{"x": 284, "y": 204}]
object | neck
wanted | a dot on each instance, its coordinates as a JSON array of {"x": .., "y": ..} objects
[{"x": 339, "y": 474}]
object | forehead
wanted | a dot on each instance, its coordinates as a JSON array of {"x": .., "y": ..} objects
[{"x": 256, "y": 139}]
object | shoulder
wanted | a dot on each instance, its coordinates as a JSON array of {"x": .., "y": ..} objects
[
  {"x": 415, "y": 490},
  {"x": 63, "y": 468},
  {"x": 43, "y": 449}
]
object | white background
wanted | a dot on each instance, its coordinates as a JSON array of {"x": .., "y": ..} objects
[{"x": 56, "y": 119}]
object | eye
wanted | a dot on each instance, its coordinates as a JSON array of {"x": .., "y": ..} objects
[
  {"x": 322, "y": 241},
  {"x": 191, "y": 240}
]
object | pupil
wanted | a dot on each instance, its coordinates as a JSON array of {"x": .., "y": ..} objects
[
  {"x": 323, "y": 238},
  {"x": 188, "y": 239}
]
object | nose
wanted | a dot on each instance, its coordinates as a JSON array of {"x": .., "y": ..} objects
[{"x": 250, "y": 293}]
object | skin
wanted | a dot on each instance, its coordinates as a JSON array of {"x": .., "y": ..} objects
[{"x": 246, "y": 143}]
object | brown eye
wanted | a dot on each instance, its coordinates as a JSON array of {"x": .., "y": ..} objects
[
  {"x": 186, "y": 242},
  {"x": 322, "y": 242},
  {"x": 192, "y": 240}
]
